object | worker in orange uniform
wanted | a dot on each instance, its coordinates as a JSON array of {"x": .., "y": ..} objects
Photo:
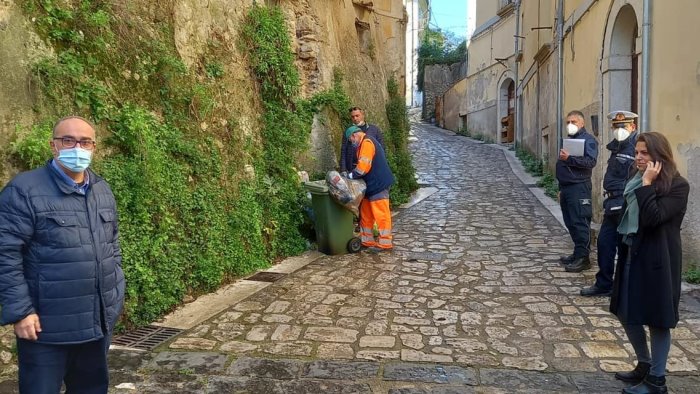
[{"x": 373, "y": 167}]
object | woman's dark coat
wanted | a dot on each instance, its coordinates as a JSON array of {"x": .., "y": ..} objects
[{"x": 655, "y": 270}]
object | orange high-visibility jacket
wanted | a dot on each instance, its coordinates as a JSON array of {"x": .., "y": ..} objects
[{"x": 372, "y": 166}]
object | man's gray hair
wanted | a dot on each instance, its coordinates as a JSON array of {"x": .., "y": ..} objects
[
  {"x": 63, "y": 119},
  {"x": 576, "y": 113}
]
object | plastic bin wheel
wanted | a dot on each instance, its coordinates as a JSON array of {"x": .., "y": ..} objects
[{"x": 354, "y": 245}]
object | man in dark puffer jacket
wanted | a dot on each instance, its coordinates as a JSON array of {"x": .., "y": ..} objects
[{"x": 61, "y": 281}]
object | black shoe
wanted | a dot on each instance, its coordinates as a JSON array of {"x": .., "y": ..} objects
[
  {"x": 578, "y": 265},
  {"x": 636, "y": 375},
  {"x": 566, "y": 260},
  {"x": 650, "y": 385},
  {"x": 595, "y": 291}
]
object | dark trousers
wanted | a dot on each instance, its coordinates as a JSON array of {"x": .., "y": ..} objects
[
  {"x": 43, "y": 368},
  {"x": 608, "y": 241},
  {"x": 660, "y": 346},
  {"x": 577, "y": 209}
]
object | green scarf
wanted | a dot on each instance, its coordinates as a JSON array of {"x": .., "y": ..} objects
[{"x": 630, "y": 219}]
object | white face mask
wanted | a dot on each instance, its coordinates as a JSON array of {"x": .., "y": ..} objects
[
  {"x": 621, "y": 133},
  {"x": 572, "y": 129}
]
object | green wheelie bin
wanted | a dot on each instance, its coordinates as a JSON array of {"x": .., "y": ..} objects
[{"x": 333, "y": 223}]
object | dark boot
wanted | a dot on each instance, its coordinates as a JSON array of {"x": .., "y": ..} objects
[
  {"x": 595, "y": 291},
  {"x": 650, "y": 385},
  {"x": 580, "y": 264},
  {"x": 566, "y": 260},
  {"x": 636, "y": 375}
]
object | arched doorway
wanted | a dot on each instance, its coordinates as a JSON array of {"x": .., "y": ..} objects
[
  {"x": 620, "y": 61},
  {"x": 506, "y": 111}
]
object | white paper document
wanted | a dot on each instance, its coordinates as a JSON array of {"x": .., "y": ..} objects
[{"x": 574, "y": 146}]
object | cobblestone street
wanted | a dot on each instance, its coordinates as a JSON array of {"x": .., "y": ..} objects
[{"x": 472, "y": 299}]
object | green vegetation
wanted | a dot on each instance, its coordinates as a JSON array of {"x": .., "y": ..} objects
[
  {"x": 550, "y": 185},
  {"x": 200, "y": 200},
  {"x": 33, "y": 150},
  {"x": 439, "y": 47},
  {"x": 536, "y": 167},
  {"x": 532, "y": 164},
  {"x": 396, "y": 137},
  {"x": 477, "y": 136},
  {"x": 692, "y": 275},
  {"x": 464, "y": 131}
]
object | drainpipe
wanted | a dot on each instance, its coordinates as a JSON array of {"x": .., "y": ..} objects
[
  {"x": 518, "y": 119},
  {"x": 560, "y": 71},
  {"x": 646, "y": 59}
]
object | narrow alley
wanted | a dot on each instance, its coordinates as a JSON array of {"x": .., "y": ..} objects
[{"x": 472, "y": 299}]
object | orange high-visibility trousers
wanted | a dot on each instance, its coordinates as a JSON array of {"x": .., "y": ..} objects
[{"x": 375, "y": 211}]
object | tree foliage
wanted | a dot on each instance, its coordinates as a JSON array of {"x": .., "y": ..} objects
[{"x": 439, "y": 47}]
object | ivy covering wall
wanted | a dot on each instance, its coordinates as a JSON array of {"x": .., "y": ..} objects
[{"x": 200, "y": 201}]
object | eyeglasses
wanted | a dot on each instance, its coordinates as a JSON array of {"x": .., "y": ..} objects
[
  {"x": 618, "y": 125},
  {"x": 70, "y": 142}
]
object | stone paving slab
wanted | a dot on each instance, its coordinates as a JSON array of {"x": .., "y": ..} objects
[
  {"x": 189, "y": 362},
  {"x": 253, "y": 375},
  {"x": 430, "y": 373},
  {"x": 262, "y": 368},
  {"x": 341, "y": 370},
  {"x": 511, "y": 379},
  {"x": 433, "y": 390}
]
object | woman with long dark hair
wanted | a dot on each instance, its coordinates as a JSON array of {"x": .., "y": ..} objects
[{"x": 647, "y": 283}]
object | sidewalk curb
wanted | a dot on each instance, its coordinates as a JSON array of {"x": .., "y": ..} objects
[{"x": 206, "y": 306}]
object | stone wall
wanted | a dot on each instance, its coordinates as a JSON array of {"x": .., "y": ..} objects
[
  {"x": 437, "y": 79},
  {"x": 364, "y": 43},
  {"x": 691, "y": 223}
]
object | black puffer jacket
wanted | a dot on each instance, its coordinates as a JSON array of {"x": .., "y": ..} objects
[
  {"x": 620, "y": 165},
  {"x": 60, "y": 256}
]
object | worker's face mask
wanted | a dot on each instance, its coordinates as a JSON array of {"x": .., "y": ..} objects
[
  {"x": 621, "y": 133},
  {"x": 571, "y": 129},
  {"x": 75, "y": 159}
]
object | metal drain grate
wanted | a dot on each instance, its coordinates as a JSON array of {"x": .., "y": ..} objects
[
  {"x": 146, "y": 338},
  {"x": 267, "y": 277}
]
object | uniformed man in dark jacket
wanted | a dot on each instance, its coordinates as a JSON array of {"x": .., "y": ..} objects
[
  {"x": 61, "y": 281},
  {"x": 348, "y": 156},
  {"x": 574, "y": 176},
  {"x": 620, "y": 163}
]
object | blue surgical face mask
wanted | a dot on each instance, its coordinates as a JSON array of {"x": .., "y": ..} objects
[{"x": 75, "y": 159}]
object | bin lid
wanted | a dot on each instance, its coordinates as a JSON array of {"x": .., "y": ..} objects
[{"x": 317, "y": 187}]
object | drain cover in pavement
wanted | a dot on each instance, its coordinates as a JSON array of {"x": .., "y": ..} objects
[
  {"x": 146, "y": 338},
  {"x": 267, "y": 277},
  {"x": 429, "y": 256}
]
